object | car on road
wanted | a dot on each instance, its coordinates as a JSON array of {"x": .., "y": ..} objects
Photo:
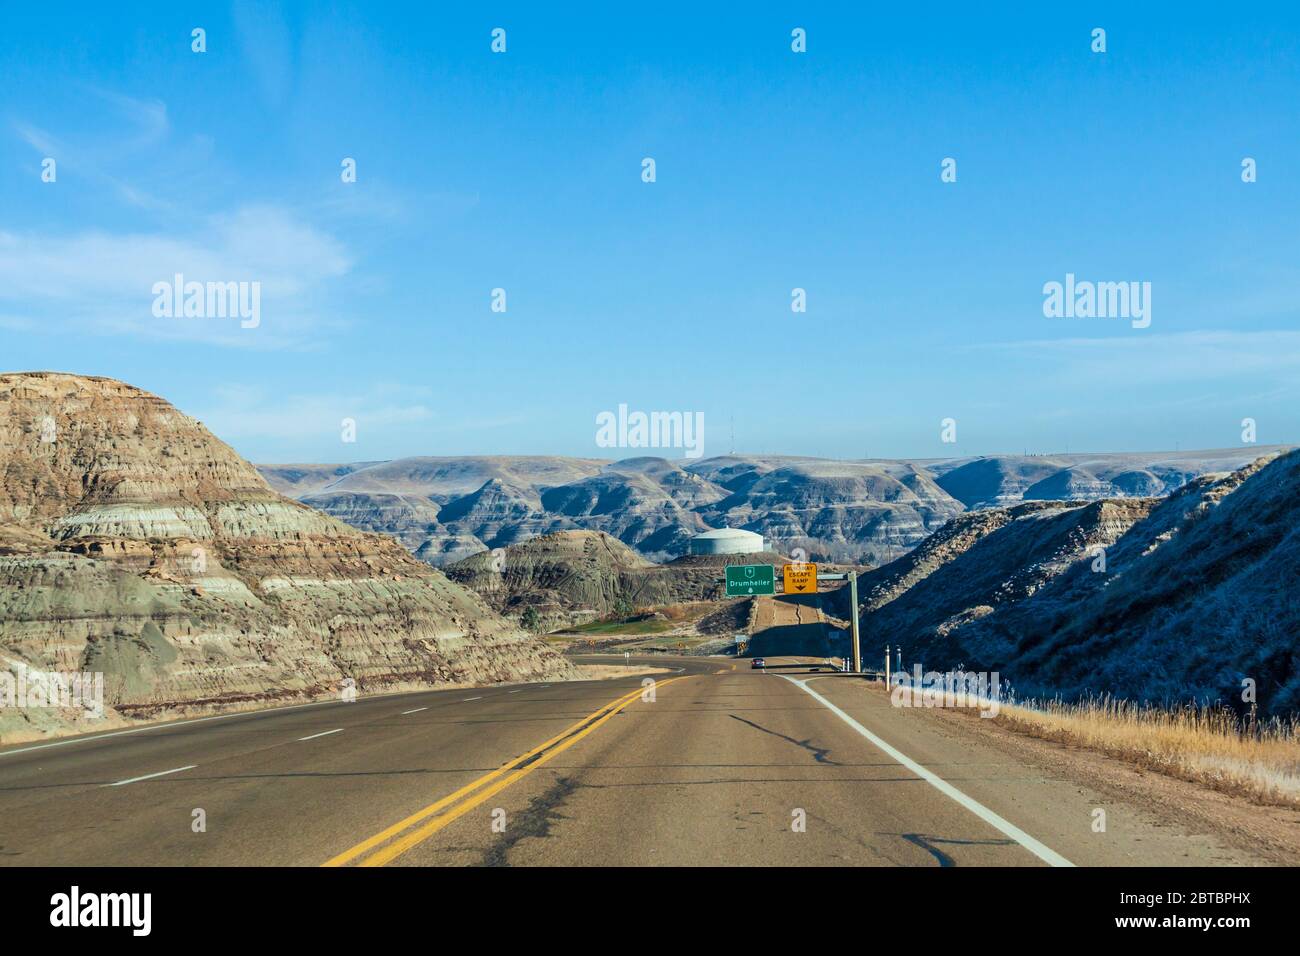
[{"x": 757, "y": 663}]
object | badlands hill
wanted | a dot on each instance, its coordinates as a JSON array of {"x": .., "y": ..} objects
[
  {"x": 134, "y": 543},
  {"x": 1001, "y": 480},
  {"x": 649, "y": 503},
  {"x": 863, "y": 512},
  {"x": 1164, "y": 599},
  {"x": 867, "y": 513},
  {"x": 494, "y": 499},
  {"x": 571, "y": 577}
]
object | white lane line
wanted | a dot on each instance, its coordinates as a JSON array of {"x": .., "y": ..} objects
[
  {"x": 1044, "y": 853},
  {"x": 168, "y": 726},
  {"x": 150, "y": 776},
  {"x": 512, "y": 692},
  {"x": 337, "y": 730},
  {"x": 474, "y": 698},
  {"x": 416, "y": 711}
]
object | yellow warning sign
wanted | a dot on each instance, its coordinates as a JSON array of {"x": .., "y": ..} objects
[{"x": 800, "y": 578}]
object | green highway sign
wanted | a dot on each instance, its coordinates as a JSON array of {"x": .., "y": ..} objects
[{"x": 744, "y": 579}]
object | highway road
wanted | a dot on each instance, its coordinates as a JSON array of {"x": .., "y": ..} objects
[{"x": 724, "y": 765}]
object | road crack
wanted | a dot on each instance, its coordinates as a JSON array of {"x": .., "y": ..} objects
[
  {"x": 535, "y": 820},
  {"x": 819, "y": 753}
]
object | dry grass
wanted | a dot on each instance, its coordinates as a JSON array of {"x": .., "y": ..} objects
[{"x": 1207, "y": 745}]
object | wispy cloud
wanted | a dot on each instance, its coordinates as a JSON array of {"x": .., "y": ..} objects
[
  {"x": 1178, "y": 358},
  {"x": 97, "y": 281},
  {"x": 268, "y": 48},
  {"x": 241, "y": 413},
  {"x": 128, "y": 128},
  {"x": 38, "y": 139},
  {"x": 147, "y": 118}
]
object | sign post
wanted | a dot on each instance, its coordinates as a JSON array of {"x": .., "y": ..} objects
[
  {"x": 747, "y": 579},
  {"x": 853, "y": 616},
  {"x": 852, "y": 577}
]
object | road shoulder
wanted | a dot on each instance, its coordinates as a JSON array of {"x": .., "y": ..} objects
[{"x": 1055, "y": 791}]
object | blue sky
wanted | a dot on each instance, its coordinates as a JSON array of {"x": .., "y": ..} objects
[{"x": 775, "y": 170}]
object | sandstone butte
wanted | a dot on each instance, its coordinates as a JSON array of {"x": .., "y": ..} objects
[{"x": 135, "y": 544}]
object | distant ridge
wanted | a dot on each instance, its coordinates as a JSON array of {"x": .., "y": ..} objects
[{"x": 867, "y": 512}]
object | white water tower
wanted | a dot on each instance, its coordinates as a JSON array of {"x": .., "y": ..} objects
[{"x": 727, "y": 541}]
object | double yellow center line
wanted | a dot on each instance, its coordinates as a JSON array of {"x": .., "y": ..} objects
[{"x": 391, "y": 844}]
